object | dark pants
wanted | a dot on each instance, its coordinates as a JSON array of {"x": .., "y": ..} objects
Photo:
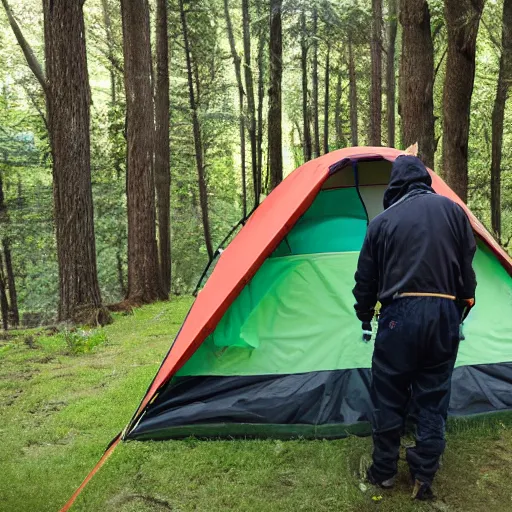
[{"x": 413, "y": 361}]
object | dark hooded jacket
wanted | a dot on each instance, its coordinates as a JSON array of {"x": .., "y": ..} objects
[{"x": 421, "y": 243}]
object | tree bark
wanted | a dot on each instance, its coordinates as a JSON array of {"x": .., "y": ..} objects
[
  {"x": 462, "y": 21},
  {"x": 305, "y": 106},
  {"x": 376, "y": 83},
  {"x": 144, "y": 280},
  {"x": 316, "y": 124},
  {"x": 261, "y": 96},
  {"x": 498, "y": 114},
  {"x": 352, "y": 94},
  {"x": 390, "y": 71},
  {"x": 238, "y": 73},
  {"x": 162, "y": 150},
  {"x": 326, "y": 102},
  {"x": 4, "y": 305},
  {"x": 275, "y": 137},
  {"x": 11, "y": 284},
  {"x": 251, "y": 109},
  {"x": 7, "y": 277},
  {"x": 198, "y": 143},
  {"x": 68, "y": 103},
  {"x": 337, "y": 112},
  {"x": 417, "y": 79}
]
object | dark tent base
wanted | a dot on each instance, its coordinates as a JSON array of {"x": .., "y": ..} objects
[{"x": 323, "y": 404}]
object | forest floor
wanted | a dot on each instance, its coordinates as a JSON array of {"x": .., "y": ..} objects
[{"x": 64, "y": 396}]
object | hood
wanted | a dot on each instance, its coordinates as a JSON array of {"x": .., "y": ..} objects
[{"x": 407, "y": 174}]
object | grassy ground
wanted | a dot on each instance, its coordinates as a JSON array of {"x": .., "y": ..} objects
[{"x": 63, "y": 397}]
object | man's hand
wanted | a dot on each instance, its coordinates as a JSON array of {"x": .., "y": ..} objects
[
  {"x": 466, "y": 305},
  {"x": 367, "y": 331}
]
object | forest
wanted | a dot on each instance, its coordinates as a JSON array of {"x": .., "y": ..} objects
[{"x": 135, "y": 136}]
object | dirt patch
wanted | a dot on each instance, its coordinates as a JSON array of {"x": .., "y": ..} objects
[
  {"x": 48, "y": 408},
  {"x": 11, "y": 398},
  {"x": 125, "y": 498},
  {"x": 22, "y": 374}
]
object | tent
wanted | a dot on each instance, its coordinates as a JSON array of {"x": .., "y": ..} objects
[{"x": 272, "y": 347}]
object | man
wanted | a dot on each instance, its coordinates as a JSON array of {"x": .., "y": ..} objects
[{"x": 416, "y": 261}]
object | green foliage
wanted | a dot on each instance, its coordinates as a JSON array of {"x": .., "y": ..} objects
[{"x": 79, "y": 341}]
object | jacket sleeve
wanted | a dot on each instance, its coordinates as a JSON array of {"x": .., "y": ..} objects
[
  {"x": 468, "y": 249},
  {"x": 365, "y": 291}
]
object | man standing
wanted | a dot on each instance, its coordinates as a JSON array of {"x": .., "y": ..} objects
[{"x": 417, "y": 261}]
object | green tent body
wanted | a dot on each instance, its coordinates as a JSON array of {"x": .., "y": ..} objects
[{"x": 272, "y": 346}]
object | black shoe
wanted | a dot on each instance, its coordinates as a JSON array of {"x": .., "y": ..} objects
[
  {"x": 422, "y": 491},
  {"x": 385, "y": 484}
]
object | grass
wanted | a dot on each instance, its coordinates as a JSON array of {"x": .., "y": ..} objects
[{"x": 63, "y": 397}]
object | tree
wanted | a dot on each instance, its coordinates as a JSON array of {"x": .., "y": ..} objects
[
  {"x": 390, "y": 71},
  {"x": 241, "y": 93},
  {"x": 376, "y": 81},
  {"x": 352, "y": 79},
  {"x": 498, "y": 114},
  {"x": 251, "y": 108},
  {"x": 11, "y": 284},
  {"x": 305, "y": 106},
  {"x": 462, "y": 21},
  {"x": 162, "y": 150},
  {"x": 417, "y": 79},
  {"x": 275, "y": 138},
  {"x": 67, "y": 95},
  {"x": 261, "y": 87},
  {"x": 4, "y": 305},
  {"x": 338, "y": 112},
  {"x": 144, "y": 281},
  {"x": 314, "y": 81},
  {"x": 326, "y": 101},
  {"x": 198, "y": 143}
]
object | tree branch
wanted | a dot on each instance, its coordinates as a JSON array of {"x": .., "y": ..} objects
[
  {"x": 32, "y": 61},
  {"x": 440, "y": 62}
]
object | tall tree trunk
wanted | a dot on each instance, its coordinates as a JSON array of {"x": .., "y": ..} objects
[
  {"x": 338, "y": 127},
  {"x": 352, "y": 94},
  {"x": 326, "y": 102},
  {"x": 198, "y": 143},
  {"x": 462, "y": 21},
  {"x": 376, "y": 58},
  {"x": 4, "y": 304},
  {"x": 417, "y": 79},
  {"x": 498, "y": 114},
  {"x": 11, "y": 284},
  {"x": 162, "y": 150},
  {"x": 316, "y": 124},
  {"x": 68, "y": 102},
  {"x": 251, "y": 109},
  {"x": 275, "y": 136},
  {"x": 261, "y": 95},
  {"x": 390, "y": 71},
  {"x": 144, "y": 281},
  {"x": 376, "y": 82},
  {"x": 238, "y": 73},
  {"x": 305, "y": 106},
  {"x": 110, "y": 47}
]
